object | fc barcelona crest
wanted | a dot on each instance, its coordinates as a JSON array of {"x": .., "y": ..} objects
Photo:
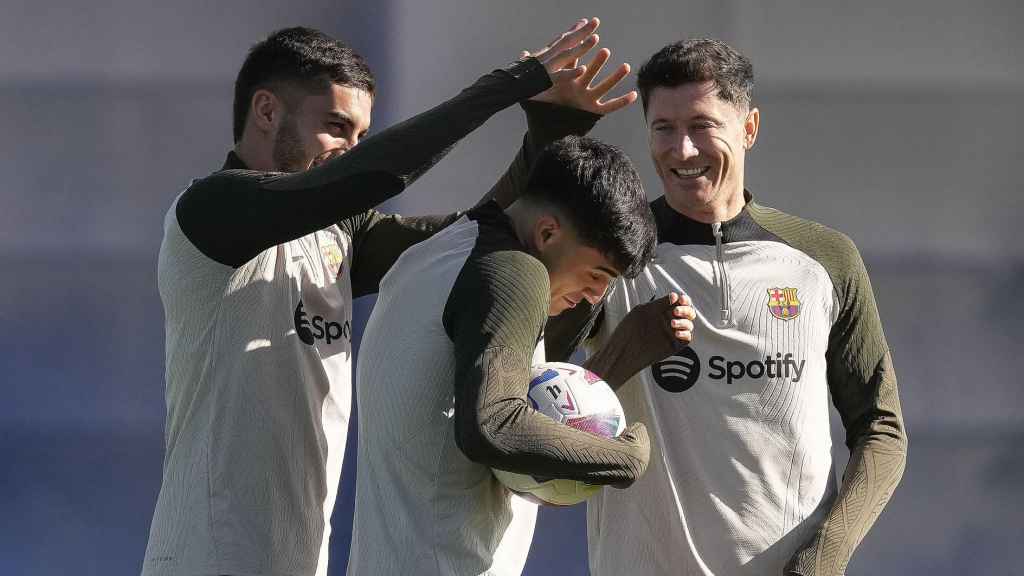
[
  {"x": 783, "y": 303},
  {"x": 332, "y": 257}
]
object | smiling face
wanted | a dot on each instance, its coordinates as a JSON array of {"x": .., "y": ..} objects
[
  {"x": 698, "y": 143},
  {"x": 336, "y": 119},
  {"x": 576, "y": 271}
]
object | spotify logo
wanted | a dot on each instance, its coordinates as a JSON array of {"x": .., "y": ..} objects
[{"x": 677, "y": 373}]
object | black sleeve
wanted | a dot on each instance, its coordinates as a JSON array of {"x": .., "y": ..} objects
[
  {"x": 545, "y": 123},
  {"x": 378, "y": 240},
  {"x": 494, "y": 316},
  {"x": 233, "y": 215}
]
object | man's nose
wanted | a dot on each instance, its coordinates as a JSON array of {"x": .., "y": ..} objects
[{"x": 685, "y": 148}]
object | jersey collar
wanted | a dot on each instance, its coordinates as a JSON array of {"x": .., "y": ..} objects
[
  {"x": 233, "y": 162},
  {"x": 676, "y": 228}
]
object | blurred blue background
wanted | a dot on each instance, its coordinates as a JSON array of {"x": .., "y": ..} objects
[{"x": 898, "y": 124}]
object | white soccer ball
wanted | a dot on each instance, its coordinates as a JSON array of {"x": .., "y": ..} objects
[{"x": 576, "y": 397}]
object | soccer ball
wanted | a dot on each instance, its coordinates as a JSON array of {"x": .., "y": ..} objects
[{"x": 576, "y": 397}]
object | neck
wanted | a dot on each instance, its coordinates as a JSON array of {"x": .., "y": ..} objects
[
  {"x": 712, "y": 212},
  {"x": 256, "y": 155},
  {"x": 520, "y": 214}
]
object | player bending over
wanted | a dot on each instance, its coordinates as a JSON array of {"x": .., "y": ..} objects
[{"x": 446, "y": 357}]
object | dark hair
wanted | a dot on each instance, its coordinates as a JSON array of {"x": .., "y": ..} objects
[
  {"x": 299, "y": 57},
  {"x": 595, "y": 186},
  {"x": 699, "y": 60}
]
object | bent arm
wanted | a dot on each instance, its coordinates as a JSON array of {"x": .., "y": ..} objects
[
  {"x": 643, "y": 337},
  {"x": 233, "y": 215},
  {"x": 863, "y": 386},
  {"x": 379, "y": 239},
  {"x": 494, "y": 317}
]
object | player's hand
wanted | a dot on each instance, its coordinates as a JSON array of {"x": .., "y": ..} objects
[
  {"x": 560, "y": 56},
  {"x": 650, "y": 333},
  {"x": 667, "y": 322},
  {"x": 575, "y": 87},
  {"x": 681, "y": 318}
]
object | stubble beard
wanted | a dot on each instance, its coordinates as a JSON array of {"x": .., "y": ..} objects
[{"x": 289, "y": 154}]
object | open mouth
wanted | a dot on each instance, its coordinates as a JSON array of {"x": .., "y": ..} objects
[{"x": 690, "y": 173}]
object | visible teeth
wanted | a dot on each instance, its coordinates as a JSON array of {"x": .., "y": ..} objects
[{"x": 689, "y": 172}]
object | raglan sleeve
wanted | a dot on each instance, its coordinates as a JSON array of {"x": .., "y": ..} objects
[
  {"x": 494, "y": 316},
  {"x": 378, "y": 239},
  {"x": 862, "y": 382},
  {"x": 233, "y": 215}
]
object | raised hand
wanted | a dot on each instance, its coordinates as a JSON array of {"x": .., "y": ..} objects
[
  {"x": 572, "y": 83},
  {"x": 560, "y": 55}
]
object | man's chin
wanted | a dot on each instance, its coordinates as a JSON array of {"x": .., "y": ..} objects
[{"x": 694, "y": 198}]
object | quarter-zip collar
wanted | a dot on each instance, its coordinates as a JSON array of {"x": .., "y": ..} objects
[
  {"x": 234, "y": 162},
  {"x": 676, "y": 228}
]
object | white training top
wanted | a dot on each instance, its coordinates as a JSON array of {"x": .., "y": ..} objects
[
  {"x": 422, "y": 507},
  {"x": 740, "y": 473},
  {"x": 258, "y": 392}
]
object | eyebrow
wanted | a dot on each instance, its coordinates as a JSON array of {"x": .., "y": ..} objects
[
  {"x": 706, "y": 117},
  {"x": 608, "y": 271}
]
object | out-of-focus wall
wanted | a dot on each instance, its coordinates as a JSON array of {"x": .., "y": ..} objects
[{"x": 896, "y": 123}]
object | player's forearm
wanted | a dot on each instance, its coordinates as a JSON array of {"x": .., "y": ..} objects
[
  {"x": 405, "y": 151},
  {"x": 499, "y": 429},
  {"x": 234, "y": 215},
  {"x": 871, "y": 477},
  {"x": 546, "y": 123},
  {"x": 878, "y": 453},
  {"x": 642, "y": 338}
]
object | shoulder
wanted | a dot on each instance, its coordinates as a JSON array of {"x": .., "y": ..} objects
[
  {"x": 835, "y": 251},
  {"x": 225, "y": 179},
  {"x": 506, "y": 270},
  {"x": 215, "y": 196},
  {"x": 501, "y": 296}
]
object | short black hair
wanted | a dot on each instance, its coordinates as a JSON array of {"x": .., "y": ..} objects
[
  {"x": 595, "y": 186},
  {"x": 699, "y": 60},
  {"x": 301, "y": 57}
]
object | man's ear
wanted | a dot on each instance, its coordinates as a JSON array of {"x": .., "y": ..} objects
[
  {"x": 547, "y": 231},
  {"x": 265, "y": 110},
  {"x": 751, "y": 124}
]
